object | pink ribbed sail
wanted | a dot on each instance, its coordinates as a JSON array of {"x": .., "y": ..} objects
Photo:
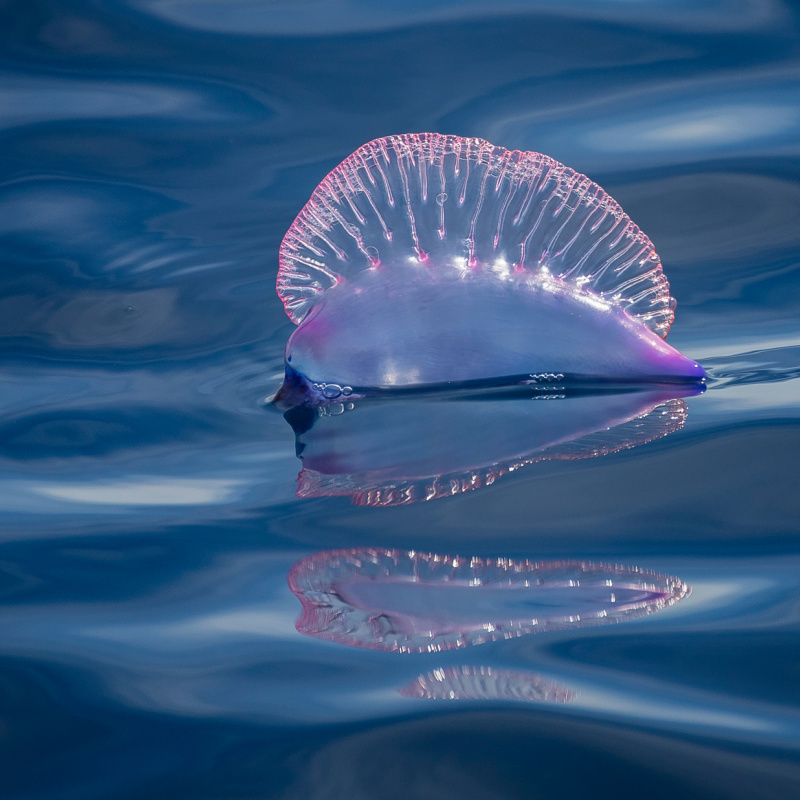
[{"x": 447, "y": 201}]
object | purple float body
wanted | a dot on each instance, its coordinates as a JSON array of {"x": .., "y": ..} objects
[{"x": 473, "y": 328}]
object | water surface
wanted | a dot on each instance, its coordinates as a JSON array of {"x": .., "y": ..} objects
[{"x": 153, "y": 154}]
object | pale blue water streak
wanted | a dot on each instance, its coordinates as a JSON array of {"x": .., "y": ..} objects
[{"x": 153, "y": 154}]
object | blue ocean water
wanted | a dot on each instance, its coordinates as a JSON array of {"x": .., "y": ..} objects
[{"x": 154, "y": 152}]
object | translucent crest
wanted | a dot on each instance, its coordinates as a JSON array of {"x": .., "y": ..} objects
[{"x": 443, "y": 203}]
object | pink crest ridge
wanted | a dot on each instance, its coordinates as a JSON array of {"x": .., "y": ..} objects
[{"x": 433, "y": 199}]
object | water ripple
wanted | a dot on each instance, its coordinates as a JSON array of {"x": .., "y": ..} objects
[{"x": 755, "y": 367}]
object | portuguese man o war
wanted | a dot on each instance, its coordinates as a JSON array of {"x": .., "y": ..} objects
[
  {"x": 429, "y": 260},
  {"x": 411, "y": 602}
]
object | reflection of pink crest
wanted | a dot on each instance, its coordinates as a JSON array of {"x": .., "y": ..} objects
[
  {"x": 486, "y": 683},
  {"x": 389, "y": 454},
  {"x": 405, "y": 601}
]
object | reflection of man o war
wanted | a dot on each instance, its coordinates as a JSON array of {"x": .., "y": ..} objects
[
  {"x": 425, "y": 259},
  {"x": 383, "y": 453},
  {"x": 486, "y": 683},
  {"x": 410, "y": 602}
]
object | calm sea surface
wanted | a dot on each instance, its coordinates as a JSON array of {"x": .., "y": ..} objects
[{"x": 154, "y": 534}]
